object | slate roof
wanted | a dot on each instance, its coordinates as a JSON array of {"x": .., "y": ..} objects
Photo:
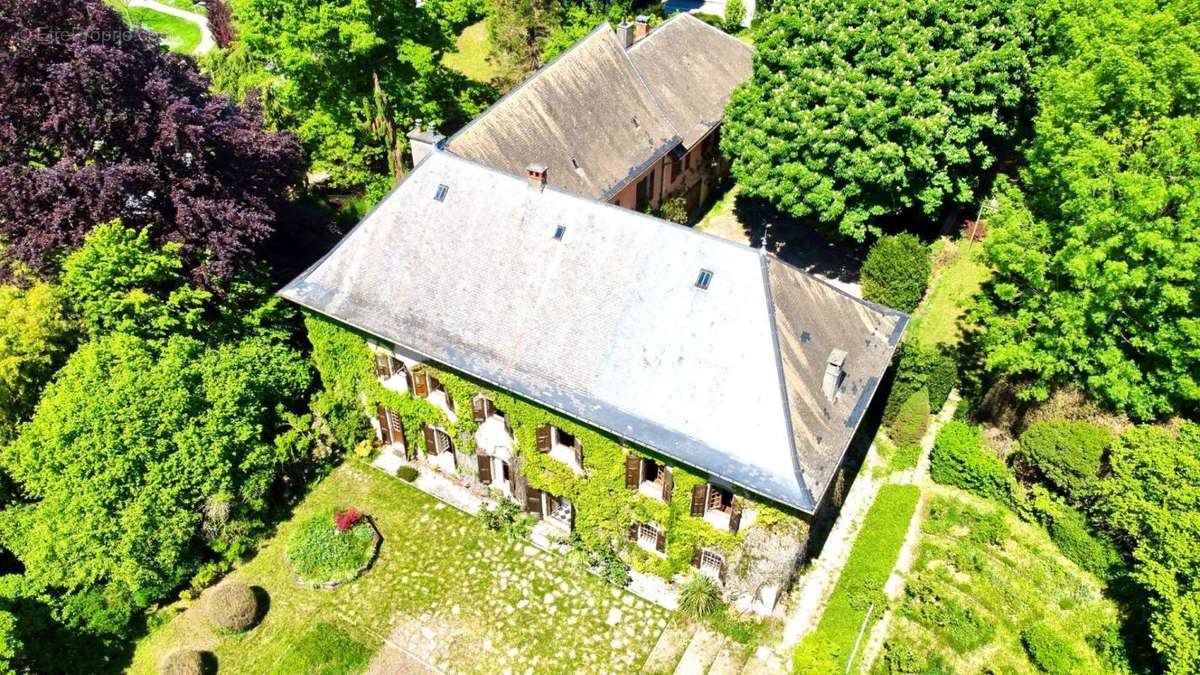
[
  {"x": 607, "y": 325},
  {"x": 598, "y": 115}
]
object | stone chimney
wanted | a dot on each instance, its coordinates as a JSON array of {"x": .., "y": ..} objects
[
  {"x": 643, "y": 27},
  {"x": 536, "y": 173},
  {"x": 834, "y": 374},
  {"x": 422, "y": 143},
  {"x": 625, "y": 34}
]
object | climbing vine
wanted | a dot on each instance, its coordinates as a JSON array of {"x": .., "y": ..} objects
[{"x": 604, "y": 507}]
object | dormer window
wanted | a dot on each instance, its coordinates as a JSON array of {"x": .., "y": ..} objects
[
  {"x": 440, "y": 195},
  {"x": 704, "y": 279}
]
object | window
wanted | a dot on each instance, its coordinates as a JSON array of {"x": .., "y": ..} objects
[
  {"x": 710, "y": 563},
  {"x": 560, "y": 232},
  {"x": 574, "y": 164},
  {"x": 559, "y": 509},
  {"x": 649, "y": 537},
  {"x": 440, "y": 195},
  {"x": 564, "y": 438},
  {"x": 676, "y": 168},
  {"x": 644, "y": 187},
  {"x": 704, "y": 279}
]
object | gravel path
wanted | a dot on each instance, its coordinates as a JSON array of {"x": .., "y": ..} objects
[{"x": 206, "y": 38}]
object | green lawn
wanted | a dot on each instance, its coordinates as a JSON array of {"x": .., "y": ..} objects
[
  {"x": 976, "y": 587},
  {"x": 957, "y": 276},
  {"x": 445, "y": 588},
  {"x": 860, "y": 585},
  {"x": 177, "y": 34},
  {"x": 471, "y": 58}
]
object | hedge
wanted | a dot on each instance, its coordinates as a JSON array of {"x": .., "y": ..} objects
[
  {"x": 1067, "y": 453},
  {"x": 896, "y": 272},
  {"x": 959, "y": 459},
  {"x": 1049, "y": 651},
  {"x": 912, "y": 420},
  {"x": 920, "y": 367}
]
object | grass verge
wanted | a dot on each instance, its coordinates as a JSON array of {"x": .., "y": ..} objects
[{"x": 958, "y": 275}]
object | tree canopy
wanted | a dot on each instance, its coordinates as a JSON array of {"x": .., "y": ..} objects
[
  {"x": 35, "y": 336},
  {"x": 98, "y": 122},
  {"x": 861, "y": 109}
]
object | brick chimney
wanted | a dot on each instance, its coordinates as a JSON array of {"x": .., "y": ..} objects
[
  {"x": 536, "y": 173},
  {"x": 834, "y": 373},
  {"x": 422, "y": 143},
  {"x": 643, "y": 27},
  {"x": 625, "y": 34}
]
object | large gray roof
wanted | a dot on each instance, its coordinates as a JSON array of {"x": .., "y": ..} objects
[
  {"x": 607, "y": 325},
  {"x": 598, "y": 115}
]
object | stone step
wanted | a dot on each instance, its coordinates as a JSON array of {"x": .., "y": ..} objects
[
  {"x": 669, "y": 648},
  {"x": 700, "y": 653},
  {"x": 729, "y": 661},
  {"x": 764, "y": 662}
]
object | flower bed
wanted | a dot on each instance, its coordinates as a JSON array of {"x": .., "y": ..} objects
[{"x": 332, "y": 547}]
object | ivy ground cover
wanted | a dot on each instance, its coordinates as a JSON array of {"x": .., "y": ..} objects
[{"x": 444, "y": 589}]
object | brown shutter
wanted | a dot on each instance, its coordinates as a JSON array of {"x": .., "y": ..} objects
[
  {"x": 699, "y": 496},
  {"x": 384, "y": 428},
  {"x": 735, "y": 515},
  {"x": 543, "y": 438},
  {"x": 430, "y": 441},
  {"x": 533, "y": 500},
  {"x": 633, "y": 468},
  {"x": 633, "y": 532},
  {"x": 579, "y": 453},
  {"x": 661, "y": 542},
  {"x": 696, "y": 557},
  {"x": 397, "y": 427},
  {"x": 552, "y": 503},
  {"x": 479, "y": 408},
  {"x": 382, "y": 365},
  {"x": 668, "y": 483},
  {"x": 421, "y": 384},
  {"x": 485, "y": 468}
]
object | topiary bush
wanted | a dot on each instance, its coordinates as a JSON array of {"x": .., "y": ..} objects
[
  {"x": 959, "y": 459},
  {"x": 920, "y": 367},
  {"x": 896, "y": 272},
  {"x": 912, "y": 420},
  {"x": 182, "y": 662},
  {"x": 1068, "y": 454},
  {"x": 232, "y": 606},
  {"x": 1049, "y": 651},
  {"x": 699, "y": 596},
  {"x": 331, "y": 547}
]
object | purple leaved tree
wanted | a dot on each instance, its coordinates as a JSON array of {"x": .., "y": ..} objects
[{"x": 97, "y": 122}]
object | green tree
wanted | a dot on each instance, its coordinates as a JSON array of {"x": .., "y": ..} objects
[
  {"x": 1096, "y": 254},
  {"x": 119, "y": 281},
  {"x": 1153, "y": 499},
  {"x": 860, "y": 109},
  {"x": 35, "y": 337},
  {"x": 896, "y": 272},
  {"x": 518, "y": 31},
  {"x": 735, "y": 13},
  {"x": 142, "y": 458}
]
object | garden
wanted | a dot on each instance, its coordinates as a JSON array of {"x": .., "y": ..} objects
[{"x": 442, "y": 590}]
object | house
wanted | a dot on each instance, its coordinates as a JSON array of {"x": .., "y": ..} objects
[{"x": 631, "y": 382}]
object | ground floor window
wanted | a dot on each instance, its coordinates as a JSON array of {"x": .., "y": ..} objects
[
  {"x": 559, "y": 509},
  {"x": 710, "y": 563},
  {"x": 649, "y": 536}
]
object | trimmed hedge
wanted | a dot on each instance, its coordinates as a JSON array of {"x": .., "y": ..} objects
[
  {"x": 1049, "y": 651},
  {"x": 896, "y": 272},
  {"x": 1067, "y": 453},
  {"x": 920, "y": 367},
  {"x": 959, "y": 459},
  {"x": 912, "y": 420}
]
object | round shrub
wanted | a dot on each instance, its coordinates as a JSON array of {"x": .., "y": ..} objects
[
  {"x": 896, "y": 272},
  {"x": 232, "y": 606},
  {"x": 331, "y": 547},
  {"x": 959, "y": 459},
  {"x": 1067, "y": 453},
  {"x": 735, "y": 13},
  {"x": 407, "y": 473},
  {"x": 1049, "y": 651},
  {"x": 182, "y": 662},
  {"x": 910, "y": 423}
]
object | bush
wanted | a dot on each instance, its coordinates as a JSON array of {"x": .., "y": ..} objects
[
  {"x": 699, "y": 596},
  {"x": 232, "y": 606},
  {"x": 735, "y": 13},
  {"x": 407, "y": 473},
  {"x": 1049, "y": 651},
  {"x": 906, "y": 457},
  {"x": 674, "y": 210},
  {"x": 959, "y": 459},
  {"x": 920, "y": 367},
  {"x": 182, "y": 662},
  {"x": 506, "y": 517},
  {"x": 1067, "y": 453},
  {"x": 896, "y": 272},
  {"x": 1097, "y": 554},
  {"x": 912, "y": 420},
  {"x": 320, "y": 553}
]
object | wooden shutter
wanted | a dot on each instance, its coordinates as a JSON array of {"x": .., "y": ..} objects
[
  {"x": 479, "y": 408},
  {"x": 543, "y": 438},
  {"x": 579, "y": 453},
  {"x": 633, "y": 469},
  {"x": 485, "y": 468},
  {"x": 661, "y": 542},
  {"x": 430, "y": 439},
  {"x": 735, "y": 515},
  {"x": 699, "y": 497},
  {"x": 382, "y": 365},
  {"x": 696, "y": 557},
  {"x": 552, "y": 503},
  {"x": 385, "y": 432},
  {"x": 397, "y": 427},
  {"x": 421, "y": 384},
  {"x": 668, "y": 483},
  {"x": 533, "y": 500}
]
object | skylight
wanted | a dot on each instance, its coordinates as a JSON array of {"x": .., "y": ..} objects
[
  {"x": 560, "y": 232},
  {"x": 440, "y": 195},
  {"x": 704, "y": 279}
]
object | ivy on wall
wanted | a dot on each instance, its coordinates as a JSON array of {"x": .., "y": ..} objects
[{"x": 604, "y": 507}]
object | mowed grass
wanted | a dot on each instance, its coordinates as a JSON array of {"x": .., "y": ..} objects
[
  {"x": 444, "y": 589},
  {"x": 177, "y": 34},
  {"x": 958, "y": 275},
  {"x": 861, "y": 583},
  {"x": 981, "y": 577},
  {"x": 471, "y": 59}
]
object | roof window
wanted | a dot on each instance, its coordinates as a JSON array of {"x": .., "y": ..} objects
[
  {"x": 559, "y": 232},
  {"x": 440, "y": 195},
  {"x": 704, "y": 279}
]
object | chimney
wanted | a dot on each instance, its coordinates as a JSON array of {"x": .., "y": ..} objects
[
  {"x": 536, "y": 173},
  {"x": 834, "y": 374},
  {"x": 625, "y": 34},
  {"x": 422, "y": 143},
  {"x": 643, "y": 27}
]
